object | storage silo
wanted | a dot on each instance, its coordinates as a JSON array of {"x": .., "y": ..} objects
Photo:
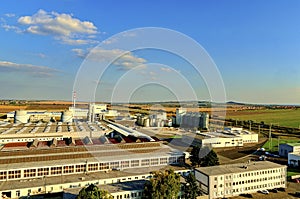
[
  {"x": 146, "y": 122},
  {"x": 66, "y": 116},
  {"x": 21, "y": 116}
]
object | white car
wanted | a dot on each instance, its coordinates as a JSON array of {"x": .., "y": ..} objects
[{"x": 264, "y": 191}]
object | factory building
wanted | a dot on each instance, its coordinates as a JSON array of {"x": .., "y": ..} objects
[
  {"x": 285, "y": 149},
  {"x": 94, "y": 112},
  {"x": 294, "y": 159},
  {"x": 191, "y": 120},
  {"x": 158, "y": 119},
  {"x": 232, "y": 180},
  {"x": 220, "y": 139},
  {"x": 179, "y": 113},
  {"x": 52, "y": 166},
  {"x": 25, "y": 116}
]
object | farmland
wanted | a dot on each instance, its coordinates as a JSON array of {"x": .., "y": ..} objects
[
  {"x": 272, "y": 146},
  {"x": 280, "y": 117}
]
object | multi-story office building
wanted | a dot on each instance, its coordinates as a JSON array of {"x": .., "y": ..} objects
[{"x": 235, "y": 179}]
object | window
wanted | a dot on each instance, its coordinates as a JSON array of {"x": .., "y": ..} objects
[
  {"x": 43, "y": 171},
  {"x": 103, "y": 166},
  {"x": 18, "y": 193},
  {"x": 14, "y": 174},
  {"x": 124, "y": 164},
  {"x": 68, "y": 169},
  {"x": 172, "y": 160},
  {"x": 154, "y": 161},
  {"x": 135, "y": 163},
  {"x": 29, "y": 173},
  {"x": 80, "y": 168},
  {"x": 145, "y": 162},
  {"x": 163, "y": 160},
  {"x": 93, "y": 167},
  {"x": 114, "y": 165},
  {"x": 56, "y": 170},
  {"x": 2, "y": 175}
]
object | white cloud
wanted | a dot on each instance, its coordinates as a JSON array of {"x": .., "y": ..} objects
[
  {"x": 63, "y": 27},
  {"x": 166, "y": 69},
  {"x": 123, "y": 59},
  {"x": 9, "y": 27},
  {"x": 33, "y": 70},
  {"x": 9, "y": 15}
]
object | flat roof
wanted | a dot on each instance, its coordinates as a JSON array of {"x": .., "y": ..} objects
[
  {"x": 238, "y": 168},
  {"x": 45, "y": 160},
  {"x": 293, "y": 144},
  {"x": 113, "y": 188},
  {"x": 82, "y": 177}
]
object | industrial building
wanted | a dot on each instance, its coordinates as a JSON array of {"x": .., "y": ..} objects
[
  {"x": 285, "y": 149},
  {"x": 94, "y": 112},
  {"x": 158, "y": 119},
  {"x": 50, "y": 157},
  {"x": 226, "y": 138},
  {"x": 232, "y": 180},
  {"x": 294, "y": 159},
  {"x": 191, "y": 120}
]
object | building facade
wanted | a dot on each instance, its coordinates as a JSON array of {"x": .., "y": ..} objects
[
  {"x": 235, "y": 179},
  {"x": 285, "y": 149},
  {"x": 294, "y": 159}
]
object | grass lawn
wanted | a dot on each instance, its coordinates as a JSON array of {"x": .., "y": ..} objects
[
  {"x": 292, "y": 172},
  {"x": 281, "y": 117},
  {"x": 274, "y": 144}
]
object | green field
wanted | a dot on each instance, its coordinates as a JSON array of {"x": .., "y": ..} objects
[
  {"x": 274, "y": 144},
  {"x": 281, "y": 117},
  {"x": 292, "y": 172}
]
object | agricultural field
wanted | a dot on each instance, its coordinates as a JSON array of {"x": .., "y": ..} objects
[
  {"x": 278, "y": 117},
  {"x": 272, "y": 146}
]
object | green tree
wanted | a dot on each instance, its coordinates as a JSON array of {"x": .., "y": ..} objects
[
  {"x": 210, "y": 157},
  {"x": 194, "y": 158},
  {"x": 162, "y": 185},
  {"x": 93, "y": 192},
  {"x": 191, "y": 188}
]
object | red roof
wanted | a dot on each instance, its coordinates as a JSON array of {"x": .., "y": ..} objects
[
  {"x": 128, "y": 140},
  {"x": 16, "y": 144},
  {"x": 43, "y": 144},
  {"x": 61, "y": 143},
  {"x": 144, "y": 139},
  {"x": 96, "y": 141},
  {"x": 79, "y": 142},
  {"x": 112, "y": 140}
]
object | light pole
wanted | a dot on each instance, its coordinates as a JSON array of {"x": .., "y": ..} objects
[
  {"x": 270, "y": 135},
  {"x": 44, "y": 178}
]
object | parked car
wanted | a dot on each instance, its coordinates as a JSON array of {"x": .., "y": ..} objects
[
  {"x": 296, "y": 180},
  {"x": 273, "y": 190},
  {"x": 264, "y": 192}
]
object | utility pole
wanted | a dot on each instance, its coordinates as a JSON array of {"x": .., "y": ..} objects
[
  {"x": 278, "y": 138},
  {"x": 270, "y": 137},
  {"x": 250, "y": 126}
]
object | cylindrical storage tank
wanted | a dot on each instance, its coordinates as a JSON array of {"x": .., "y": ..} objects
[
  {"x": 67, "y": 116},
  {"x": 147, "y": 122},
  {"x": 21, "y": 116}
]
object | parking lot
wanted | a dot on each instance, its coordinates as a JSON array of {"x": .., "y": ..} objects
[{"x": 288, "y": 194}]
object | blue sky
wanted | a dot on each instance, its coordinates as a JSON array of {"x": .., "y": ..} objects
[{"x": 255, "y": 45}]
